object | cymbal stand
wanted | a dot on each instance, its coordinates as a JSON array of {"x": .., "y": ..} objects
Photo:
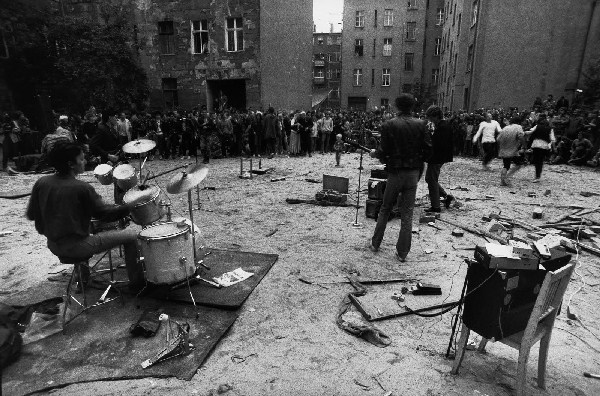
[
  {"x": 356, "y": 224},
  {"x": 198, "y": 186},
  {"x": 192, "y": 228}
]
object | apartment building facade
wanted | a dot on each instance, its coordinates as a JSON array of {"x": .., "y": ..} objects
[
  {"x": 327, "y": 69},
  {"x": 386, "y": 51},
  {"x": 221, "y": 53},
  {"x": 506, "y": 53}
]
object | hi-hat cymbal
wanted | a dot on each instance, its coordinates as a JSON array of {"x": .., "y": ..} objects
[
  {"x": 186, "y": 180},
  {"x": 139, "y": 146}
]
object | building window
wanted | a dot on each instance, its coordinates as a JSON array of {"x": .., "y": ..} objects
[
  {"x": 435, "y": 76},
  {"x": 329, "y": 74},
  {"x": 318, "y": 73},
  {"x": 455, "y": 62},
  {"x": 372, "y": 77},
  {"x": 470, "y": 58},
  {"x": 169, "y": 86},
  {"x": 437, "y": 49},
  {"x": 412, "y": 4},
  {"x": 320, "y": 40},
  {"x": 406, "y": 88},
  {"x": 235, "y": 35},
  {"x": 388, "y": 18},
  {"x": 358, "y": 47},
  {"x": 387, "y": 47},
  {"x": 337, "y": 73},
  {"x": 385, "y": 103},
  {"x": 329, "y": 40},
  {"x": 474, "y": 11},
  {"x": 360, "y": 19},
  {"x": 409, "y": 60},
  {"x": 385, "y": 78},
  {"x": 374, "y": 47},
  {"x": 411, "y": 31},
  {"x": 439, "y": 17},
  {"x": 166, "y": 37},
  {"x": 454, "y": 15},
  {"x": 459, "y": 21},
  {"x": 375, "y": 21},
  {"x": 358, "y": 78},
  {"x": 200, "y": 37}
]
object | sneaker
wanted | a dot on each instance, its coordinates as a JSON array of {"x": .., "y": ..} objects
[
  {"x": 373, "y": 248},
  {"x": 433, "y": 210},
  {"x": 448, "y": 201},
  {"x": 401, "y": 259}
]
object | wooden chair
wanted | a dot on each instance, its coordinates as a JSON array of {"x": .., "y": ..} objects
[{"x": 539, "y": 328}]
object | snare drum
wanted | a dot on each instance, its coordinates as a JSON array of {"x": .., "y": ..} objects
[
  {"x": 103, "y": 173},
  {"x": 168, "y": 253},
  {"x": 147, "y": 209},
  {"x": 125, "y": 176}
]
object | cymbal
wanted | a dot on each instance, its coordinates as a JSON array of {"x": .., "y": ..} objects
[
  {"x": 139, "y": 146},
  {"x": 186, "y": 180}
]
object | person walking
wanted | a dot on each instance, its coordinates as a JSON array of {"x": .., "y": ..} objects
[
  {"x": 542, "y": 137},
  {"x": 511, "y": 142},
  {"x": 487, "y": 131},
  {"x": 405, "y": 145},
  {"x": 441, "y": 139}
]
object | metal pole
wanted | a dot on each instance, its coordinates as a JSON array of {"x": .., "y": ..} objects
[
  {"x": 360, "y": 167},
  {"x": 193, "y": 225}
]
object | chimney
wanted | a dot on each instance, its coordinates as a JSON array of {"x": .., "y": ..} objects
[{"x": 331, "y": 28}]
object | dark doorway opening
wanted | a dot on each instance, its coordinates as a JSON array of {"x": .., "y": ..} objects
[
  {"x": 226, "y": 94},
  {"x": 358, "y": 103}
]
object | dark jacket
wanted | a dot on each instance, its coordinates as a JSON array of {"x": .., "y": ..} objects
[
  {"x": 270, "y": 126},
  {"x": 405, "y": 143},
  {"x": 442, "y": 143},
  {"x": 104, "y": 142}
]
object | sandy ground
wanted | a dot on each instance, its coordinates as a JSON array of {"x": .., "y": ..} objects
[{"x": 287, "y": 328}]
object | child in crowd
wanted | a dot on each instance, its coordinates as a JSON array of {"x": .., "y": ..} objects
[{"x": 338, "y": 146}]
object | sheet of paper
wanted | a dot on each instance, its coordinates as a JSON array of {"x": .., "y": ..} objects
[
  {"x": 232, "y": 277},
  {"x": 499, "y": 250}
]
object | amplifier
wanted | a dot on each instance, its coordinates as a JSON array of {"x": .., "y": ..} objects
[
  {"x": 502, "y": 305},
  {"x": 376, "y": 188},
  {"x": 372, "y": 207},
  {"x": 379, "y": 173}
]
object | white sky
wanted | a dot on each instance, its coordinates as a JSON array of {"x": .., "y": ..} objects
[{"x": 326, "y": 12}]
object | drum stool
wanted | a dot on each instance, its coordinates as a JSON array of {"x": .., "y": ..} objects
[
  {"x": 81, "y": 270},
  {"x": 242, "y": 167}
]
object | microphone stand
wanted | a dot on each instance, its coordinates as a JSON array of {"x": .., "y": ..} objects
[{"x": 356, "y": 224}]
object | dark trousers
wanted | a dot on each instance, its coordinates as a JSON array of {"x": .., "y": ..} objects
[
  {"x": 537, "y": 158},
  {"x": 205, "y": 147},
  {"x": 9, "y": 150},
  {"x": 401, "y": 185},
  {"x": 432, "y": 176},
  {"x": 305, "y": 143},
  {"x": 325, "y": 142},
  {"x": 488, "y": 152}
]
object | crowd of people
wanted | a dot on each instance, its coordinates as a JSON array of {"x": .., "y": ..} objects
[{"x": 574, "y": 138}]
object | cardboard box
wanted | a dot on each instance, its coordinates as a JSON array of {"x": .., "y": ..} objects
[{"x": 487, "y": 260}]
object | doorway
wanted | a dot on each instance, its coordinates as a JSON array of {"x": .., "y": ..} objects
[{"x": 226, "y": 94}]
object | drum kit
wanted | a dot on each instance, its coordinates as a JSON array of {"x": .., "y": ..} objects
[{"x": 168, "y": 248}]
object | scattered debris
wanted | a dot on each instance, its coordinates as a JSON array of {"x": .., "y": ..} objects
[
  {"x": 588, "y": 194},
  {"x": 547, "y": 193},
  {"x": 5, "y": 233},
  {"x": 313, "y": 180},
  {"x": 241, "y": 359},
  {"x": 538, "y": 213},
  {"x": 272, "y": 232},
  {"x": 276, "y": 179},
  {"x": 457, "y": 232}
]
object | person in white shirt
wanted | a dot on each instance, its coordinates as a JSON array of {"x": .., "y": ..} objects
[
  {"x": 487, "y": 131},
  {"x": 327, "y": 128},
  {"x": 124, "y": 129}
]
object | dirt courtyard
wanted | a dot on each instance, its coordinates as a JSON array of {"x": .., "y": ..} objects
[{"x": 287, "y": 329}]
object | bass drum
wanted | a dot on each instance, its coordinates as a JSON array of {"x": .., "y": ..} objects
[{"x": 168, "y": 253}]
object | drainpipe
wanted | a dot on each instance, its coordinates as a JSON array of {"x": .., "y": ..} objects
[
  {"x": 587, "y": 39},
  {"x": 471, "y": 91}
]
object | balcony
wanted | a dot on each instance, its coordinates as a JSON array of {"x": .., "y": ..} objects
[
  {"x": 319, "y": 63},
  {"x": 319, "y": 80}
]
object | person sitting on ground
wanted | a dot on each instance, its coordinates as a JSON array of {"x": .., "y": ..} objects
[
  {"x": 62, "y": 207},
  {"x": 581, "y": 150},
  {"x": 562, "y": 151},
  {"x": 595, "y": 161}
]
